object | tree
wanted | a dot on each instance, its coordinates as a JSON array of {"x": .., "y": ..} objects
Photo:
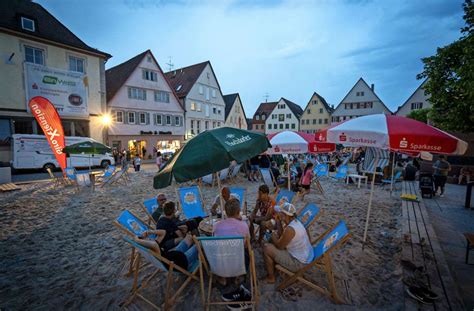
[
  {"x": 450, "y": 81},
  {"x": 420, "y": 115}
]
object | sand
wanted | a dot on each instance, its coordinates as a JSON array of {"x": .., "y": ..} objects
[{"x": 59, "y": 249}]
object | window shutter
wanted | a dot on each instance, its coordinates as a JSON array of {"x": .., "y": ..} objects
[
  {"x": 114, "y": 115},
  {"x": 147, "y": 117},
  {"x": 181, "y": 121},
  {"x": 154, "y": 118},
  {"x": 143, "y": 74},
  {"x": 125, "y": 117}
]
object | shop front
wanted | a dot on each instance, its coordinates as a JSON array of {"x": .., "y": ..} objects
[{"x": 146, "y": 146}]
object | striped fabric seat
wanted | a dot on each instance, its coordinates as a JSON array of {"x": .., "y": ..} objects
[{"x": 369, "y": 160}]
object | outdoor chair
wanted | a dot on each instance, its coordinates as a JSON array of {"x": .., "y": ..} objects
[
  {"x": 316, "y": 184},
  {"x": 149, "y": 206},
  {"x": 240, "y": 194},
  {"x": 208, "y": 179},
  {"x": 341, "y": 173},
  {"x": 108, "y": 173},
  {"x": 321, "y": 170},
  {"x": 162, "y": 265},
  {"x": 191, "y": 202},
  {"x": 133, "y": 226},
  {"x": 224, "y": 174},
  {"x": 289, "y": 195},
  {"x": 396, "y": 178},
  {"x": 83, "y": 180},
  {"x": 235, "y": 170},
  {"x": 322, "y": 248},
  {"x": 58, "y": 181},
  {"x": 308, "y": 215},
  {"x": 120, "y": 177},
  {"x": 225, "y": 257},
  {"x": 267, "y": 177}
]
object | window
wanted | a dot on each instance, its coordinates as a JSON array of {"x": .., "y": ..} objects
[
  {"x": 199, "y": 108},
  {"x": 281, "y": 117},
  {"x": 27, "y": 24},
  {"x": 264, "y": 117},
  {"x": 345, "y": 106},
  {"x": 214, "y": 125},
  {"x": 193, "y": 106},
  {"x": 218, "y": 111},
  {"x": 269, "y": 126},
  {"x": 287, "y": 126},
  {"x": 208, "y": 97},
  {"x": 358, "y": 105},
  {"x": 213, "y": 93},
  {"x": 325, "y": 121},
  {"x": 161, "y": 96},
  {"x": 192, "y": 126},
  {"x": 293, "y": 126},
  {"x": 370, "y": 104},
  {"x": 198, "y": 126},
  {"x": 131, "y": 117},
  {"x": 148, "y": 58},
  {"x": 416, "y": 106},
  {"x": 309, "y": 111},
  {"x": 361, "y": 93},
  {"x": 142, "y": 116},
  {"x": 168, "y": 120},
  {"x": 34, "y": 55},
  {"x": 176, "y": 121},
  {"x": 76, "y": 64},
  {"x": 219, "y": 124},
  {"x": 274, "y": 116},
  {"x": 5, "y": 132},
  {"x": 149, "y": 75},
  {"x": 357, "y": 93},
  {"x": 159, "y": 119},
  {"x": 320, "y": 110},
  {"x": 201, "y": 89},
  {"x": 257, "y": 117},
  {"x": 206, "y": 125},
  {"x": 288, "y": 115},
  {"x": 136, "y": 93},
  {"x": 81, "y": 128},
  {"x": 315, "y": 102},
  {"x": 343, "y": 118},
  {"x": 281, "y": 126},
  {"x": 320, "y": 121},
  {"x": 282, "y": 106},
  {"x": 119, "y": 116},
  {"x": 314, "y": 121},
  {"x": 21, "y": 126}
]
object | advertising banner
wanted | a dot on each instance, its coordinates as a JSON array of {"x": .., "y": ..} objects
[
  {"x": 50, "y": 122},
  {"x": 66, "y": 90}
]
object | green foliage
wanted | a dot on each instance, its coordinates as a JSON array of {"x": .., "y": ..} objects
[
  {"x": 450, "y": 81},
  {"x": 420, "y": 115}
]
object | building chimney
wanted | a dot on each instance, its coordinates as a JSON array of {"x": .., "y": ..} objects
[{"x": 372, "y": 87}]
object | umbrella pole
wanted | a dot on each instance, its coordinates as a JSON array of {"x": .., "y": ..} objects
[
  {"x": 393, "y": 167},
  {"x": 370, "y": 200},
  {"x": 289, "y": 174},
  {"x": 221, "y": 201}
]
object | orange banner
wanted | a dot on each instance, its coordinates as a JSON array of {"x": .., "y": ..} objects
[{"x": 49, "y": 120}]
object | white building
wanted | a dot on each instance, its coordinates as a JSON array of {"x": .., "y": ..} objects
[
  {"x": 200, "y": 94},
  {"x": 234, "y": 112},
  {"x": 146, "y": 112},
  {"x": 360, "y": 101},
  {"x": 284, "y": 116},
  {"x": 417, "y": 100}
]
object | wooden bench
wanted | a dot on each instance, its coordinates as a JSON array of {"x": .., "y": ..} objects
[{"x": 470, "y": 244}]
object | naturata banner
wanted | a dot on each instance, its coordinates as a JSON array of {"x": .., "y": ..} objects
[
  {"x": 50, "y": 122},
  {"x": 66, "y": 90}
]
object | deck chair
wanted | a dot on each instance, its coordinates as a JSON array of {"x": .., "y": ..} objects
[
  {"x": 333, "y": 238},
  {"x": 133, "y": 226},
  {"x": 341, "y": 172},
  {"x": 224, "y": 174},
  {"x": 191, "y": 202},
  {"x": 224, "y": 257},
  {"x": 108, "y": 173},
  {"x": 120, "y": 177},
  {"x": 162, "y": 265},
  {"x": 235, "y": 171},
  {"x": 239, "y": 193},
  {"x": 321, "y": 170},
  {"x": 58, "y": 181},
  {"x": 83, "y": 180},
  {"x": 316, "y": 184},
  {"x": 308, "y": 215},
  {"x": 208, "y": 179},
  {"x": 285, "y": 193},
  {"x": 267, "y": 177},
  {"x": 396, "y": 178},
  {"x": 149, "y": 206}
]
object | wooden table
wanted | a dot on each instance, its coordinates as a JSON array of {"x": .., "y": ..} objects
[
  {"x": 358, "y": 177},
  {"x": 92, "y": 176}
]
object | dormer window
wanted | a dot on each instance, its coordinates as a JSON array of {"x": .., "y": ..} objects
[{"x": 27, "y": 24}]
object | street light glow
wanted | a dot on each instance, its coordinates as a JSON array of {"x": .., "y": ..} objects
[{"x": 106, "y": 119}]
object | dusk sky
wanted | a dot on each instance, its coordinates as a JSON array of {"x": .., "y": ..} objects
[{"x": 284, "y": 48}]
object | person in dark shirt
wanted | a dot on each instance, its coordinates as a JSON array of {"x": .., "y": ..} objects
[
  {"x": 174, "y": 232},
  {"x": 254, "y": 162},
  {"x": 160, "y": 200},
  {"x": 264, "y": 161}
]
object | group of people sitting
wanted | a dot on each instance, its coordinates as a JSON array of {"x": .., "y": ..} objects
[{"x": 283, "y": 237}]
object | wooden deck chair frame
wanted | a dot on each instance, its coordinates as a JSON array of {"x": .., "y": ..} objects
[
  {"x": 273, "y": 178},
  {"x": 308, "y": 226},
  {"x": 180, "y": 205},
  {"x": 172, "y": 268},
  {"x": 58, "y": 181},
  {"x": 131, "y": 234},
  {"x": 70, "y": 180},
  {"x": 235, "y": 170},
  {"x": 103, "y": 178},
  {"x": 316, "y": 184},
  {"x": 147, "y": 212},
  {"x": 119, "y": 177},
  {"x": 323, "y": 263},
  {"x": 203, "y": 265}
]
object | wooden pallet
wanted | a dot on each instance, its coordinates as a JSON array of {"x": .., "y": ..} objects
[{"x": 9, "y": 187}]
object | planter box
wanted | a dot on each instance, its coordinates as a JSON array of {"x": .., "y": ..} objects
[{"x": 5, "y": 175}]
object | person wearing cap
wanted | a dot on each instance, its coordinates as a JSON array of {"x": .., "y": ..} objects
[{"x": 289, "y": 247}]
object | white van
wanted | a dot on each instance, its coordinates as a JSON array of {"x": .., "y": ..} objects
[{"x": 33, "y": 151}]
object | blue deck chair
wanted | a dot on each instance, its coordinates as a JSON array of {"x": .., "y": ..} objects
[
  {"x": 149, "y": 206},
  {"x": 108, "y": 173},
  {"x": 308, "y": 215},
  {"x": 190, "y": 202},
  {"x": 239, "y": 193},
  {"x": 333, "y": 238},
  {"x": 225, "y": 257},
  {"x": 267, "y": 177},
  {"x": 341, "y": 172},
  {"x": 161, "y": 264},
  {"x": 396, "y": 178},
  {"x": 285, "y": 193},
  {"x": 321, "y": 170}
]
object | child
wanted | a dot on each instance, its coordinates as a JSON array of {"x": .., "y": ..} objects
[
  {"x": 306, "y": 179},
  {"x": 137, "y": 162}
]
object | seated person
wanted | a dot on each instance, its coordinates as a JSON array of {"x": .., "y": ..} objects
[
  {"x": 160, "y": 200},
  {"x": 276, "y": 174},
  {"x": 289, "y": 247},
  {"x": 465, "y": 172},
  {"x": 184, "y": 254},
  {"x": 262, "y": 212},
  {"x": 225, "y": 192}
]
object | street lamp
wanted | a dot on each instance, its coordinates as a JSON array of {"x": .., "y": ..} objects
[{"x": 106, "y": 121}]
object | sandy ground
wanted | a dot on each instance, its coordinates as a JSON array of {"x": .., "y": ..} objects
[{"x": 60, "y": 249}]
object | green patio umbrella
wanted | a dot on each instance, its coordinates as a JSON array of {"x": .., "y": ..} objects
[
  {"x": 87, "y": 147},
  {"x": 210, "y": 152}
]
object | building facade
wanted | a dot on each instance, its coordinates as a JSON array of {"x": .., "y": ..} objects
[
  {"x": 261, "y": 115},
  {"x": 200, "y": 94},
  {"x": 417, "y": 100},
  {"x": 316, "y": 115},
  {"x": 234, "y": 112},
  {"x": 360, "y": 101},
  {"x": 146, "y": 112},
  {"x": 284, "y": 116},
  {"x": 42, "y": 57}
]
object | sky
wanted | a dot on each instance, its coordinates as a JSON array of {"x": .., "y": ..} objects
[{"x": 277, "y": 48}]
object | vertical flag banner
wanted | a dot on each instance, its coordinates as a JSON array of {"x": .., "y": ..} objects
[{"x": 50, "y": 122}]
